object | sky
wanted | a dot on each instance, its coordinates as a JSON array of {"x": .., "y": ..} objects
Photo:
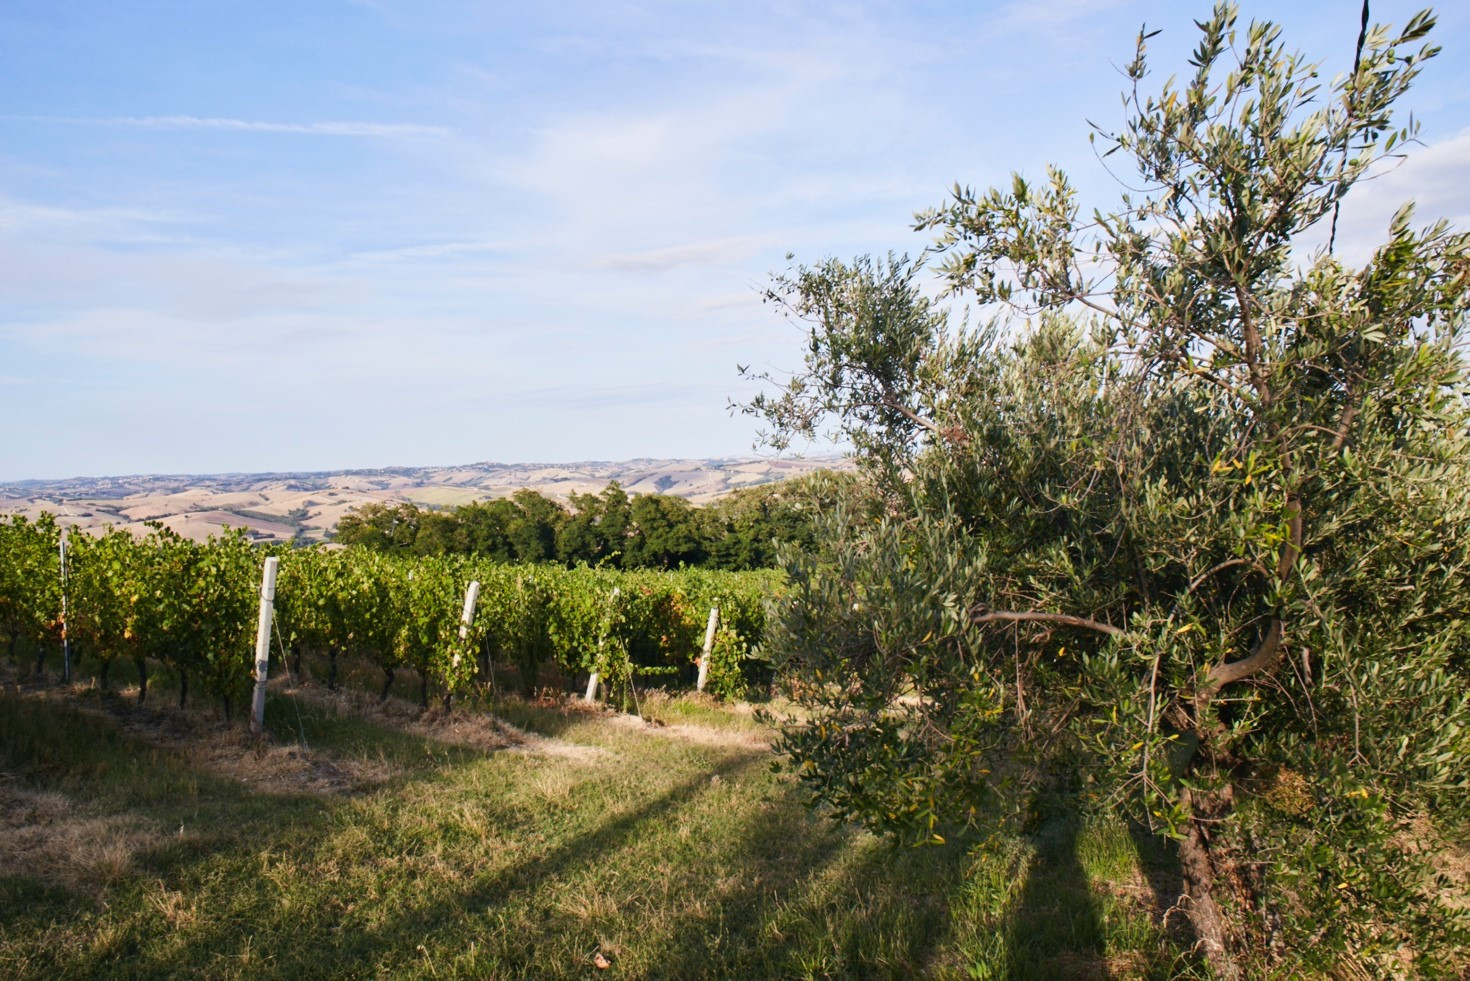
[{"x": 264, "y": 235}]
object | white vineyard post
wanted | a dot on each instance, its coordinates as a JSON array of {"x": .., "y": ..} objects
[
  {"x": 466, "y": 618},
  {"x": 65, "y": 635},
  {"x": 709, "y": 645},
  {"x": 263, "y": 642},
  {"x": 591, "y": 695}
]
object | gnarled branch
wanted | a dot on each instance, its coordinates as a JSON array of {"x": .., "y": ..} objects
[
  {"x": 993, "y": 616},
  {"x": 1267, "y": 653}
]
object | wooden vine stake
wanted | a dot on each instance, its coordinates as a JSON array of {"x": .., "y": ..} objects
[
  {"x": 709, "y": 646},
  {"x": 471, "y": 595},
  {"x": 263, "y": 642}
]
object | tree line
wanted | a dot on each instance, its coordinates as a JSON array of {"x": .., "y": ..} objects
[{"x": 613, "y": 529}]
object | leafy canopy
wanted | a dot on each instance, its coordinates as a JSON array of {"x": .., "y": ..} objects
[{"x": 1178, "y": 527}]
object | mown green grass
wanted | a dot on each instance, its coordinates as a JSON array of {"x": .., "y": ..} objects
[{"x": 672, "y": 857}]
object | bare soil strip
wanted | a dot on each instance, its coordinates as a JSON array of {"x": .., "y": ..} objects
[
  {"x": 457, "y": 727},
  {"x": 226, "y": 749},
  {"x": 703, "y": 735}
]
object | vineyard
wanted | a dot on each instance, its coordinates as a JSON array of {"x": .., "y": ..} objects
[
  {"x": 191, "y": 607},
  {"x": 509, "y": 837}
]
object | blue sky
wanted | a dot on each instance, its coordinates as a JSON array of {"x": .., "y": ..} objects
[{"x": 258, "y": 235}]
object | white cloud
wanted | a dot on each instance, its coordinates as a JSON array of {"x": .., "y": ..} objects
[
  {"x": 329, "y": 128},
  {"x": 432, "y": 250},
  {"x": 116, "y": 224},
  {"x": 678, "y": 256},
  {"x": 1433, "y": 177}
]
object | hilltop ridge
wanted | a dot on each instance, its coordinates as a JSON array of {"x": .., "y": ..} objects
[{"x": 306, "y": 505}]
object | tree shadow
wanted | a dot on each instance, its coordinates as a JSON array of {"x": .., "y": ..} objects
[
  {"x": 100, "y": 805},
  {"x": 821, "y": 906},
  {"x": 363, "y": 949},
  {"x": 779, "y": 894},
  {"x": 1158, "y": 860},
  {"x": 811, "y": 899},
  {"x": 588, "y": 848},
  {"x": 1054, "y": 929}
]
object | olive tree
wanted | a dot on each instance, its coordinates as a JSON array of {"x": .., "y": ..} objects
[{"x": 1176, "y": 527}]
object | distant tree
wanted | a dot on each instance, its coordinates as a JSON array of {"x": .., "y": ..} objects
[
  {"x": 595, "y": 531},
  {"x": 665, "y": 532},
  {"x": 440, "y": 533},
  {"x": 745, "y": 528},
  {"x": 485, "y": 528},
  {"x": 740, "y": 531},
  {"x": 532, "y": 532},
  {"x": 381, "y": 527},
  {"x": 616, "y": 519}
]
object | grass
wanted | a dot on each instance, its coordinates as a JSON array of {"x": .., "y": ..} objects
[{"x": 154, "y": 843}]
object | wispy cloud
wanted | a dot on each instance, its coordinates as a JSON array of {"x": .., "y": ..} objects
[
  {"x": 327, "y": 128},
  {"x": 26, "y": 225},
  {"x": 432, "y": 250},
  {"x": 679, "y": 256},
  {"x": 1056, "y": 13},
  {"x": 16, "y": 215},
  {"x": 453, "y": 231}
]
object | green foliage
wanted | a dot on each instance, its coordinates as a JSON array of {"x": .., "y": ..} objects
[
  {"x": 427, "y": 610},
  {"x": 30, "y": 582},
  {"x": 597, "y": 531},
  {"x": 484, "y": 530},
  {"x": 744, "y": 529},
  {"x": 397, "y": 611},
  {"x": 530, "y": 628},
  {"x": 664, "y": 533},
  {"x": 532, "y": 531},
  {"x": 187, "y": 604},
  {"x": 384, "y": 527},
  {"x": 1188, "y": 514},
  {"x": 191, "y": 605},
  {"x": 727, "y": 678}
]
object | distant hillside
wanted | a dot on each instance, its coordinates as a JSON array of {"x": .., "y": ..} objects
[{"x": 307, "y": 505}]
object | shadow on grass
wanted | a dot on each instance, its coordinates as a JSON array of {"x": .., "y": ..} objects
[
  {"x": 1158, "y": 860},
  {"x": 806, "y": 901},
  {"x": 828, "y": 904},
  {"x": 544, "y": 718},
  {"x": 99, "y": 806},
  {"x": 292, "y": 719},
  {"x": 1054, "y": 930},
  {"x": 179, "y": 901},
  {"x": 359, "y": 948},
  {"x": 773, "y": 893}
]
